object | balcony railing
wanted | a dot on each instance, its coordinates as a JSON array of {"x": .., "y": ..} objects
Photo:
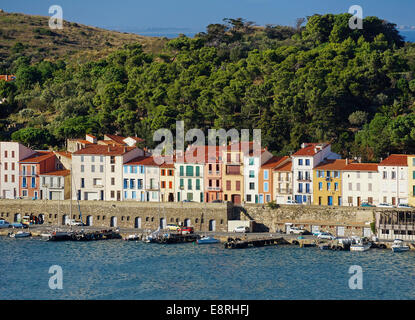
[
  {"x": 284, "y": 191},
  {"x": 213, "y": 188}
]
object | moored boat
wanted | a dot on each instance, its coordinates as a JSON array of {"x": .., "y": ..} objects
[
  {"x": 360, "y": 245},
  {"x": 20, "y": 234},
  {"x": 399, "y": 246},
  {"x": 207, "y": 240}
]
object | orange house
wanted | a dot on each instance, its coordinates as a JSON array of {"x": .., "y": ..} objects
[
  {"x": 167, "y": 182},
  {"x": 30, "y": 169},
  {"x": 266, "y": 177}
]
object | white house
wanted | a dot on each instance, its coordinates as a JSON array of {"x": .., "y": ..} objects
[
  {"x": 303, "y": 163},
  {"x": 393, "y": 179},
  {"x": 360, "y": 183},
  {"x": 97, "y": 171}
]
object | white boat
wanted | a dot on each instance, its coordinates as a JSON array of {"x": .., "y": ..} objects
[
  {"x": 399, "y": 246},
  {"x": 359, "y": 245},
  {"x": 20, "y": 234}
]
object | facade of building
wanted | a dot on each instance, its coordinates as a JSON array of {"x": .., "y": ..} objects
[
  {"x": 141, "y": 180},
  {"x": 55, "y": 185},
  {"x": 266, "y": 179},
  {"x": 31, "y": 170},
  {"x": 97, "y": 171},
  {"x": 411, "y": 180},
  {"x": 10, "y": 155},
  {"x": 393, "y": 179},
  {"x": 213, "y": 174},
  {"x": 283, "y": 181},
  {"x": 252, "y": 166},
  {"x": 233, "y": 174},
  {"x": 360, "y": 183},
  {"x": 167, "y": 186},
  {"x": 328, "y": 183},
  {"x": 303, "y": 163},
  {"x": 189, "y": 181}
]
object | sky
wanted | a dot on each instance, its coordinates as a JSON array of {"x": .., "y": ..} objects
[{"x": 193, "y": 16}]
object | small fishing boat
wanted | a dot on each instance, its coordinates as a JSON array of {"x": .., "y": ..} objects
[
  {"x": 20, "y": 234},
  {"x": 132, "y": 237},
  {"x": 399, "y": 246},
  {"x": 360, "y": 245},
  {"x": 207, "y": 240}
]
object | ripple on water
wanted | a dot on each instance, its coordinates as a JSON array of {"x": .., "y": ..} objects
[{"x": 130, "y": 270}]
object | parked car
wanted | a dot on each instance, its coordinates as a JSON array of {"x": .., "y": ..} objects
[
  {"x": 217, "y": 201},
  {"x": 366, "y": 204},
  {"x": 242, "y": 229},
  {"x": 385, "y": 205},
  {"x": 291, "y": 202},
  {"x": 4, "y": 224},
  {"x": 18, "y": 225},
  {"x": 403, "y": 205},
  {"x": 326, "y": 235},
  {"x": 72, "y": 222},
  {"x": 186, "y": 230},
  {"x": 296, "y": 230},
  {"x": 173, "y": 227},
  {"x": 316, "y": 233}
]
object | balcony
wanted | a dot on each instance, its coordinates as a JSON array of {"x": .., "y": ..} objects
[
  {"x": 97, "y": 186},
  {"x": 305, "y": 179},
  {"x": 285, "y": 191},
  {"x": 213, "y": 188}
]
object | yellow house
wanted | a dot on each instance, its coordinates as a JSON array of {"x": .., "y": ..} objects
[
  {"x": 327, "y": 183},
  {"x": 232, "y": 174},
  {"x": 411, "y": 180}
]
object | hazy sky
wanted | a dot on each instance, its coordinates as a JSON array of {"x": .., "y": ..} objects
[{"x": 195, "y": 15}]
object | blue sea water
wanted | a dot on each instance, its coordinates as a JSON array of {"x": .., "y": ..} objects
[{"x": 117, "y": 269}]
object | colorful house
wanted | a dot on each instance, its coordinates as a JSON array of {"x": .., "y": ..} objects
[
  {"x": 360, "y": 183},
  {"x": 30, "y": 171},
  {"x": 266, "y": 178},
  {"x": 167, "y": 186},
  {"x": 55, "y": 185},
  {"x": 303, "y": 163},
  {"x": 213, "y": 174},
  {"x": 97, "y": 171},
  {"x": 283, "y": 181},
  {"x": 328, "y": 183},
  {"x": 393, "y": 179},
  {"x": 10, "y": 155},
  {"x": 141, "y": 180}
]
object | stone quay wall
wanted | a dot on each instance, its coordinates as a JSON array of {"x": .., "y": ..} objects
[
  {"x": 126, "y": 214},
  {"x": 351, "y": 220}
]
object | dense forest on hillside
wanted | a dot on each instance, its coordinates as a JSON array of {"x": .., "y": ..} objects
[{"x": 318, "y": 82}]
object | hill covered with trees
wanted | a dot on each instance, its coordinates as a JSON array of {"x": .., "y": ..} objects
[{"x": 320, "y": 82}]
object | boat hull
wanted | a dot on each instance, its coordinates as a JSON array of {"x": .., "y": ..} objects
[
  {"x": 359, "y": 248},
  {"x": 400, "y": 249},
  {"x": 207, "y": 241}
]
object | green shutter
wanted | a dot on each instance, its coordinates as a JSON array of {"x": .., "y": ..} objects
[
  {"x": 189, "y": 171},
  {"x": 197, "y": 184},
  {"x": 181, "y": 183},
  {"x": 181, "y": 171},
  {"x": 189, "y": 184},
  {"x": 197, "y": 171}
]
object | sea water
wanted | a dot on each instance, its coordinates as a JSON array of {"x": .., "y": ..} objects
[{"x": 116, "y": 269}]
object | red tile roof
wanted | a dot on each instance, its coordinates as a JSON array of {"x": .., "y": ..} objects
[
  {"x": 285, "y": 167},
  {"x": 143, "y": 161},
  {"x": 310, "y": 150},
  {"x": 110, "y": 150},
  {"x": 117, "y": 139},
  {"x": 136, "y": 139},
  {"x": 338, "y": 164},
  {"x": 62, "y": 173},
  {"x": 361, "y": 167},
  {"x": 274, "y": 162},
  {"x": 38, "y": 157},
  {"x": 400, "y": 160},
  {"x": 64, "y": 154}
]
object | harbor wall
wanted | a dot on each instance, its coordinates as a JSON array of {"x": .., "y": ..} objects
[
  {"x": 340, "y": 221},
  {"x": 139, "y": 215}
]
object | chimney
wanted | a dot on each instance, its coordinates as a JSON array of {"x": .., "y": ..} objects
[
  {"x": 303, "y": 145},
  {"x": 347, "y": 161}
]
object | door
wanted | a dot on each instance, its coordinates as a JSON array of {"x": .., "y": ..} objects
[
  {"x": 65, "y": 219},
  {"x": 163, "y": 223},
  {"x": 236, "y": 198},
  {"x": 340, "y": 231},
  {"x": 137, "y": 223},
  {"x": 114, "y": 222},
  {"x": 261, "y": 198},
  {"x": 187, "y": 223},
  {"x": 118, "y": 195},
  {"x": 358, "y": 201},
  {"x": 54, "y": 195},
  {"x": 330, "y": 200},
  {"x": 212, "y": 225},
  {"x": 89, "y": 220}
]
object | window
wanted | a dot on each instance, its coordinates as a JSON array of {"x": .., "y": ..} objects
[
  {"x": 350, "y": 186},
  {"x": 112, "y": 194},
  {"x": 170, "y": 172},
  {"x": 33, "y": 182},
  {"x": 163, "y": 172},
  {"x": 358, "y": 174},
  {"x": 189, "y": 184},
  {"x": 266, "y": 187},
  {"x": 385, "y": 175},
  {"x": 12, "y": 177},
  {"x": 320, "y": 186},
  {"x": 112, "y": 168},
  {"x": 82, "y": 168},
  {"x": 336, "y": 186},
  {"x": 300, "y": 162},
  {"x": 92, "y": 168},
  {"x": 197, "y": 171},
  {"x": 101, "y": 158},
  {"x": 24, "y": 184},
  {"x": 369, "y": 187},
  {"x": 328, "y": 173},
  {"x": 82, "y": 158},
  {"x": 101, "y": 168},
  {"x": 181, "y": 171},
  {"x": 12, "y": 154},
  {"x": 328, "y": 186},
  {"x": 251, "y": 173},
  {"x": 132, "y": 183},
  {"x": 228, "y": 185},
  {"x": 251, "y": 161},
  {"x": 251, "y": 186},
  {"x": 307, "y": 162},
  {"x": 266, "y": 175},
  {"x": 181, "y": 183},
  {"x": 170, "y": 185},
  {"x": 357, "y": 186},
  {"x": 112, "y": 160},
  {"x": 163, "y": 184},
  {"x": 238, "y": 185},
  {"x": 113, "y": 181},
  {"x": 139, "y": 183},
  {"x": 248, "y": 198},
  {"x": 189, "y": 171},
  {"x": 92, "y": 158},
  {"x": 197, "y": 183},
  {"x": 369, "y": 175},
  {"x": 82, "y": 183},
  {"x": 12, "y": 165},
  {"x": 5, "y": 178},
  {"x": 5, "y": 166},
  {"x": 125, "y": 169},
  {"x": 336, "y": 174},
  {"x": 393, "y": 175}
]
